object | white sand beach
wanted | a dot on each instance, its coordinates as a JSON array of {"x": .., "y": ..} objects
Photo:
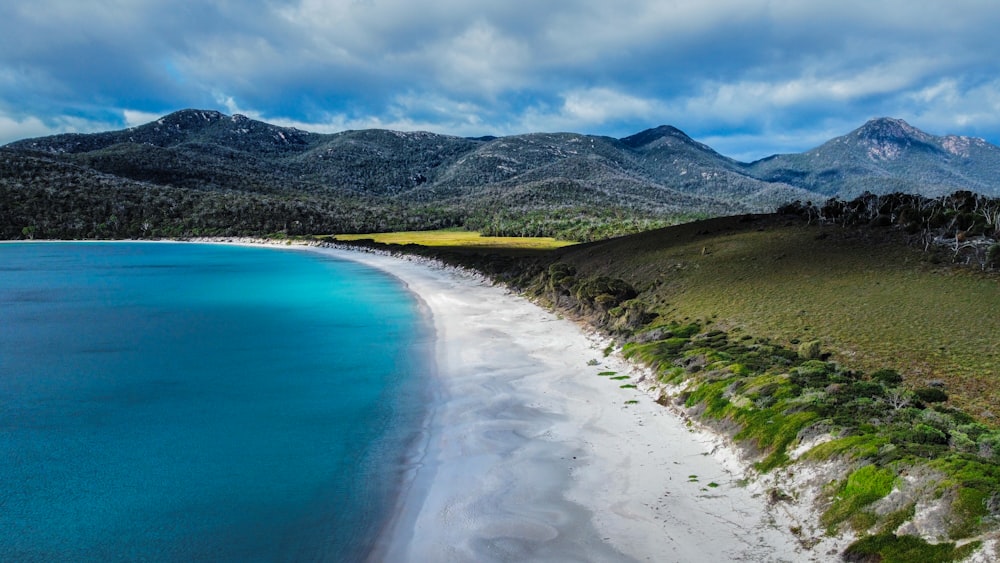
[{"x": 531, "y": 456}]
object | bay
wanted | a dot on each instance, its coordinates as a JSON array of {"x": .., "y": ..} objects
[{"x": 169, "y": 402}]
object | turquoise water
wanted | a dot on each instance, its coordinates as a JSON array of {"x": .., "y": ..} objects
[{"x": 177, "y": 402}]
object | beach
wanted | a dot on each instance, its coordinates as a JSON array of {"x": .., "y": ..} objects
[{"x": 530, "y": 455}]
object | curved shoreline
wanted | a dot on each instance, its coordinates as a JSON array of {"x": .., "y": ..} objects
[
  {"x": 532, "y": 456},
  {"x": 528, "y": 455}
]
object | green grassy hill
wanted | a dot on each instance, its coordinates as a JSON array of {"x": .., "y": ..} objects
[
  {"x": 843, "y": 346},
  {"x": 870, "y": 300}
]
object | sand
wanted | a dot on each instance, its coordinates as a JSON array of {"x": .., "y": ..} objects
[{"x": 530, "y": 455}]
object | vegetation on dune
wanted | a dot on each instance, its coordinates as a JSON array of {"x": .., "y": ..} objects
[
  {"x": 777, "y": 397},
  {"x": 889, "y": 548},
  {"x": 786, "y": 331},
  {"x": 862, "y": 292}
]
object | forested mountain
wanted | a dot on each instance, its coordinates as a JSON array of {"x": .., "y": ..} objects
[{"x": 202, "y": 172}]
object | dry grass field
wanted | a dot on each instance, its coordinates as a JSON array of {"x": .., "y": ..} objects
[{"x": 458, "y": 239}]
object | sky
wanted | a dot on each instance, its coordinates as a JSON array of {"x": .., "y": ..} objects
[{"x": 748, "y": 77}]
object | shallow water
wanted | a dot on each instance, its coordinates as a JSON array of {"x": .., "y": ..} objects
[{"x": 173, "y": 402}]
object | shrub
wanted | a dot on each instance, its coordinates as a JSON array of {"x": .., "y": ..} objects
[
  {"x": 926, "y": 434},
  {"x": 931, "y": 395},
  {"x": 813, "y": 373},
  {"x": 605, "y": 302},
  {"x": 810, "y": 350},
  {"x": 888, "y": 377},
  {"x": 993, "y": 256},
  {"x": 989, "y": 446},
  {"x": 685, "y": 331},
  {"x": 864, "y": 389}
]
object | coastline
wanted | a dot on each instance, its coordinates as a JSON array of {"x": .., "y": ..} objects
[{"x": 530, "y": 455}]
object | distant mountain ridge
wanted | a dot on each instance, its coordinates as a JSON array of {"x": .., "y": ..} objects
[
  {"x": 888, "y": 155},
  {"x": 487, "y": 182}
]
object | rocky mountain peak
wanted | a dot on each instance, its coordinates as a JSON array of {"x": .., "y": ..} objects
[
  {"x": 652, "y": 136},
  {"x": 891, "y": 129},
  {"x": 886, "y": 138}
]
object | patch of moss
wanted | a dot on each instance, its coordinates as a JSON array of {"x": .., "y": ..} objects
[
  {"x": 892, "y": 521},
  {"x": 890, "y": 548},
  {"x": 772, "y": 431},
  {"x": 861, "y": 488}
]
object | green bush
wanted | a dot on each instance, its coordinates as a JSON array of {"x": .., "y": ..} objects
[
  {"x": 989, "y": 446},
  {"x": 888, "y": 377},
  {"x": 931, "y": 395},
  {"x": 993, "y": 256},
  {"x": 926, "y": 434},
  {"x": 810, "y": 350},
  {"x": 969, "y": 509},
  {"x": 864, "y": 389},
  {"x": 812, "y": 373}
]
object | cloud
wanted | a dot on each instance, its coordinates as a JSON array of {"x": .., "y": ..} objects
[
  {"x": 950, "y": 105},
  {"x": 134, "y": 118},
  {"x": 14, "y": 128},
  {"x": 732, "y": 70}
]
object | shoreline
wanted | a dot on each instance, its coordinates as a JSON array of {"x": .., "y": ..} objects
[
  {"x": 527, "y": 454},
  {"x": 530, "y": 455}
]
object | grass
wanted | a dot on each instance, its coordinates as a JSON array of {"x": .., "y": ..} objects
[
  {"x": 459, "y": 239},
  {"x": 870, "y": 302},
  {"x": 776, "y": 328},
  {"x": 773, "y": 393},
  {"x": 976, "y": 483},
  {"x": 889, "y": 548},
  {"x": 861, "y": 488}
]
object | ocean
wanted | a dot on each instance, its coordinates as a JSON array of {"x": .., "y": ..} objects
[{"x": 193, "y": 402}]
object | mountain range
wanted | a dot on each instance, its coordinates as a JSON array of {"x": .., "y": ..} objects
[{"x": 236, "y": 175}]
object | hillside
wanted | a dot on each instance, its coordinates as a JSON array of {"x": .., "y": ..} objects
[
  {"x": 854, "y": 368},
  {"x": 870, "y": 300},
  {"x": 574, "y": 186},
  {"x": 856, "y": 371},
  {"x": 888, "y": 155}
]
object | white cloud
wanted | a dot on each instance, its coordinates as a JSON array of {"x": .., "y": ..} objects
[
  {"x": 15, "y": 128},
  {"x": 601, "y": 105},
  {"x": 470, "y": 68},
  {"x": 948, "y": 106},
  {"x": 753, "y": 100},
  {"x": 748, "y": 147},
  {"x": 12, "y": 129},
  {"x": 134, "y": 118}
]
